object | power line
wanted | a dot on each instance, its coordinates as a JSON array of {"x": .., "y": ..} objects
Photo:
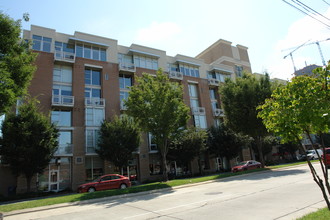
[
  {"x": 326, "y": 2},
  {"x": 311, "y": 9},
  {"x": 328, "y": 26}
]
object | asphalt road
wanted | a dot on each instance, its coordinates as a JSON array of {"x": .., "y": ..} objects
[{"x": 281, "y": 194}]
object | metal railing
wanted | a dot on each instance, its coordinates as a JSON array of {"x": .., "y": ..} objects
[
  {"x": 198, "y": 110},
  {"x": 218, "y": 112},
  {"x": 95, "y": 102},
  {"x": 213, "y": 82},
  {"x": 64, "y": 56},
  {"x": 129, "y": 67},
  {"x": 175, "y": 75}
]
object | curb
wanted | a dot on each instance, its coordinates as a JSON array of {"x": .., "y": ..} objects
[{"x": 56, "y": 206}]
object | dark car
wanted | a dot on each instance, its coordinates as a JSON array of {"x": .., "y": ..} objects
[
  {"x": 105, "y": 182},
  {"x": 246, "y": 165}
]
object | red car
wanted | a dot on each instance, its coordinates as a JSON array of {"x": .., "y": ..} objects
[
  {"x": 327, "y": 156},
  {"x": 105, "y": 182},
  {"x": 246, "y": 165}
]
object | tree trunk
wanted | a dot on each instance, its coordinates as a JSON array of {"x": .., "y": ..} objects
[{"x": 164, "y": 166}]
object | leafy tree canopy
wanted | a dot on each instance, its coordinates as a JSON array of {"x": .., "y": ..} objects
[
  {"x": 118, "y": 140},
  {"x": 157, "y": 105},
  {"x": 29, "y": 141},
  {"x": 16, "y": 68}
]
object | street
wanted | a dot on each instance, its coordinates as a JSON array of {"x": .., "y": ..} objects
[{"x": 280, "y": 194}]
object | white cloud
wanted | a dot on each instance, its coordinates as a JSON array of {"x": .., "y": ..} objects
[
  {"x": 301, "y": 31},
  {"x": 157, "y": 32}
]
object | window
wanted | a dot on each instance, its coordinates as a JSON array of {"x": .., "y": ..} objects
[
  {"x": 194, "y": 103},
  {"x": 188, "y": 70},
  {"x": 152, "y": 143},
  {"x": 92, "y": 136},
  {"x": 94, "y": 116},
  {"x": 62, "y": 74},
  {"x": 218, "y": 75},
  {"x": 239, "y": 71},
  {"x": 214, "y": 101},
  {"x": 64, "y": 143},
  {"x": 200, "y": 121},
  {"x": 61, "y": 118},
  {"x": 94, "y": 168},
  {"x": 146, "y": 62},
  {"x": 122, "y": 58},
  {"x": 90, "y": 52},
  {"x": 64, "y": 47},
  {"x": 92, "y": 93},
  {"x": 62, "y": 90},
  {"x": 92, "y": 77},
  {"x": 41, "y": 43},
  {"x": 125, "y": 81}
]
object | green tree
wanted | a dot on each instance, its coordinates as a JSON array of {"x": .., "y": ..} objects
[
  {"x": 225, "y": 143},
  {"x": 29, "y": 141},
  {"x": 240, "y": 100},
  {"x": 187, "y": 146},
  {"x": 16, "y": 63},
  {"x": 157, "y": 105},
  {"x": 301, "y": 108},
  {"x": 118, "y": 140}
]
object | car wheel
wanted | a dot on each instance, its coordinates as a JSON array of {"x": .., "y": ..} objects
[
  {"x": 92, "y": 189},
  {"x": 245, "y": 169},
  {"x": 123, "y": 186}
]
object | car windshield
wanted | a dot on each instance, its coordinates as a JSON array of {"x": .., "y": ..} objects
[{"x": 241, "y": 163}]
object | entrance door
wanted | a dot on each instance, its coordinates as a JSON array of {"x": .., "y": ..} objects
[{"x": 54, "y": 180}]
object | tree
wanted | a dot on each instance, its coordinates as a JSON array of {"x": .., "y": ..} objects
[
  {"x": 301, "y": 108},
  {"x": 189, "y": 145},
  {"x": 118, "y": 140},
  {"x": 225, "y": 143},
  {"x": 157, "y": 105},
  {"x": 16, "y": 68},
  {"x": 240, "y": 100},
  {"x": 29, "y": 141}
]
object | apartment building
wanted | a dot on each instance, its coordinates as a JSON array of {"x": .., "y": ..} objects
[{"x": 83, "y": 79}]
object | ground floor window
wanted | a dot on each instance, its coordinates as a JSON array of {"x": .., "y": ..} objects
[
  {"x": 155, "y": 167},
  {"x": 94, "y": 168},
  {"x": 57, "y": 176}
]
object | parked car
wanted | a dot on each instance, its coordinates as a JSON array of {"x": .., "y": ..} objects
[
  {"x": 327, "y": 155},
  {"x": 105, "y": 182},
  {"x": 246, "y": 165},
  {"x": 311, "y": 154}
]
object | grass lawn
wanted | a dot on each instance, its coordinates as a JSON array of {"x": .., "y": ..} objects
[
  {"x": 321, "y": 214},
  {"x": 135, "y": 189},
  {"x": 102, "y": 194}
]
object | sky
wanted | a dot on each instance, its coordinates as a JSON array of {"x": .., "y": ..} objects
[{"x": 187, "y": 27}]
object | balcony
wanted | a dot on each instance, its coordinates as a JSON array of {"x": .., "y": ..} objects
[
  {"x": 175, "y": 75},
  {"x": 217, "y": 112},
  {"x": 64, "y": 150},
  {"x": 127, "y": 67},
  {"x": 198, "y": 110},
  {"x": 213, "y": 82},
  {"x": 61, "y": 100},
  {"x": 64, "y": 56},
  {"x": 95, "y": 102}
]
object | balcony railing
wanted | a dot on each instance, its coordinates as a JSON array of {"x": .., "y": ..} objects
[
  {"x": 218, "y": 112},
  {"x": 64, "y": 149},
  {"x": 213, "y": 82},
  {"x": 128, "y": 67},
  {"x": 61, "y": 100},
  {"x": 175, "y": 75},
  {"x": 123, "y": 106},
  {"x": 198, "y": 110},
  {"x": 65, "y": 56},
  {"x": 95, "y": 102}
]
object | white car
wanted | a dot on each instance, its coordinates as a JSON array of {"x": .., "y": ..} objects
[{"x": 311, "y": 154}]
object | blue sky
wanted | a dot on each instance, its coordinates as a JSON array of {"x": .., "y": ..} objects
[{"x": 189, "y": 26}]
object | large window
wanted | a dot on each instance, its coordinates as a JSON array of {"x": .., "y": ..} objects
[
  {"x": 92, "y": 77},
  {"x": 62, "y": 90},
  {"x": 94, "y": 168},
  {"x": 200, "y": 121},
  {"x": 64, "y": 143},
  {"x": 90, "y": 52},
  {"x": 62, "y": 74},
  {"x": 41, "y": 43},
  {"x": 213, "y": 97},
  {"x": 64, "y": 47},
  {"x": 218, "y": 75},
  {"x": 193, "y": 94},
  {"x": 125, "y": 82},
  {"x": 61, "y": 118},
  {"x": 146, "y": 62},
  {"x": 92, "y": 136},
  {"x": 239, "y": 71},
  {"x": 188, "y": 70},
  {"x": 94, "y": 116}
]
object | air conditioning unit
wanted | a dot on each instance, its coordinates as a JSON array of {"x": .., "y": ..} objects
[{"x": 218, "y": 112}]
